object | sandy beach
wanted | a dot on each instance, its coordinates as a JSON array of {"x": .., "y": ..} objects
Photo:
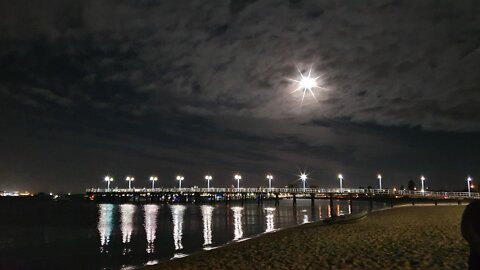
[{"x": 420, "y": 237}]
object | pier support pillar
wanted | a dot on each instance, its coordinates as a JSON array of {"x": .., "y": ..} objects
[
  {"x": 277, "y": 200},
  {"x": 436, "y": 202},
  {"x": 413, "y": 202},
  {"x": 331, "y": 206},
  {"x": 197, "y": 197},
  {"x": 259, "y": 198},
  {"x": 294, "y": 199},
  {"x": 459, "y": 202},
  {"x": 213, "y": 198},
  {"x": 312, "y": 199}
]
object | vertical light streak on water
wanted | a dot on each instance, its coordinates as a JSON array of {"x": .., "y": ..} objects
[
  {"x": 207, "y": 213},
  {"x": 338, "y": 210},
  {"x": 349, "y": 209},
  {"x": 269, "y": 219},
  {"x": 126, "y": 224},
  {"x": 329, "y": 211},
  {"x": 177, "y": 218},
  {"x": 237, "y": 222},
  {"x": 150, "y": 212},
  {"x": 305, "y": 217},
  {"x": 126, "y": 219},
  {"x": 105, "y": 225}
]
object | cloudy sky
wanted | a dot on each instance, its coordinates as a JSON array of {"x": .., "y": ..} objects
[{"x": 143, "y": 87}]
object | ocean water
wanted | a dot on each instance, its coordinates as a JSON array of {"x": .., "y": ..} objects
[{"x": 81, "y": 235}]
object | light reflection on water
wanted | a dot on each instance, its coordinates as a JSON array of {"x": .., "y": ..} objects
[
  {"x": 150, "y": 212},
  {"x": 177, "y": 219},
  {"x": 111, "y": 236},
  {"x": 126, "y": 222},
  {"x": 207, "y": 213},
  {"x": 237, "y": 222},
  {"x": 105, "y": 225},
  {"x": 305, "y": 217},
  {"x": 218, "y": 224},
  {"x": 126, "y": 225},
  {"x": 269, "y": 219}
]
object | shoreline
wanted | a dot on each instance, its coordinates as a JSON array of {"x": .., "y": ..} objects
[{"x": 443, "y": 221}]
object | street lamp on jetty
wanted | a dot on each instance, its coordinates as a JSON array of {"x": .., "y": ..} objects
[
  {"x": 269, "y": 177},
  {"x": 180, "y": 178},
  {"x": 238, "y": 177},
  {"x": 153, "y": 179},
  {"x": 422, "y": 178},
  {"x": 380, "y": 180},
  {"x": 129, "y": 180},
  {"x": 208, "y": 178},
  {"x": 340, "y": 178},
  {"x": 108, "y": 179},
  {"x": 469, "y": 185},
  {"x": 303, "y": 177}
]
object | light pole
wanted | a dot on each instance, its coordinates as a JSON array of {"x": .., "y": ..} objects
[
  {"x": 340, "y": 177},
  {"x": 303, "y": 177},
  {"x": 238, "y": 177},
  {"x": 380, "y": 180},
  {"x": 269, "y": 177},
  {"x": 469, "y": 180},
  {"x": 180, "y": 179},
  {"x": 422, "y": 178},
  {"x": 129, "y": 180},
  {"x": 208, "y": 178},
  {"x": 153, "y": 179},
  {"x": 108, "y": 179}
]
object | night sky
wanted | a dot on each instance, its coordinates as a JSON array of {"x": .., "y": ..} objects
[{"x": 141, "y": 87}]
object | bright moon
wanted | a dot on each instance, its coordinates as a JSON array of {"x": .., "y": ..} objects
[{"x": 307, "y": 84}]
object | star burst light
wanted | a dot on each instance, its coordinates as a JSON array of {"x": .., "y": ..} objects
[
  {"x": 303, "y": 176},
  {"x": 306, "y": 83}
]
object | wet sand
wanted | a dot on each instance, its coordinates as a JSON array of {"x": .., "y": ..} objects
[{"x": 420, "y": 237}]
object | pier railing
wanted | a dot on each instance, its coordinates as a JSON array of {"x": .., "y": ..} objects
[{"x": 316, "y": 191}]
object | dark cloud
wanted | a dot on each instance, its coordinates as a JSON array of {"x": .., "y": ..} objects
[{"x": 196, "y": 84}]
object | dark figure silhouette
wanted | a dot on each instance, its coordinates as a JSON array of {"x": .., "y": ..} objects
[{"x": 471, "y": 233}]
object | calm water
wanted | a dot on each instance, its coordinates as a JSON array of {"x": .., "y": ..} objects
[{"x": 69, "y": 235}]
